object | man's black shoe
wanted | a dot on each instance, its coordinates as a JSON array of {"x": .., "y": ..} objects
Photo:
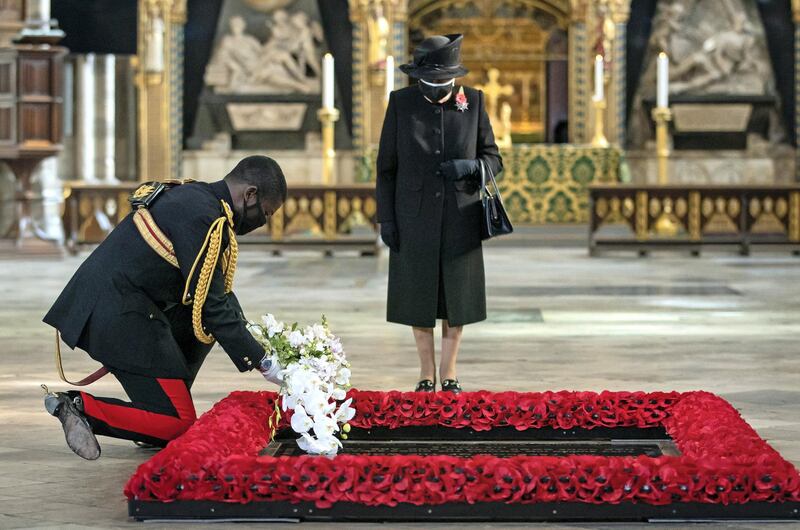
[{"x": 77, "y": 430}]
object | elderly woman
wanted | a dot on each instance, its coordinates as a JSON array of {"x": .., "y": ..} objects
[{"x": 435, "y": 136}]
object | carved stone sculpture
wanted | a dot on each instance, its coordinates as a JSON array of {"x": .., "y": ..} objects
[
  {"x": 715, "y": 48},
  {"x": 287, "y": 63}
]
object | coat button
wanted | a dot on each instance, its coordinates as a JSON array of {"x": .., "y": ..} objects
[
  {"x": 437, "y": 152},
  {"x": 437, "y": 111},
  {"x": 151, "y": 316},
  {"x": 437, "y": 130},
  {"x": 438, "y": 194}
]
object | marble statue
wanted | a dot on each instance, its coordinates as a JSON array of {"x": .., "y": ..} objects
[
  {"x": 715, "y": 48},
  {"x": 287, "y": 63},
  {"x": 234, "y": 57},
  {"x": 733, "y": 49}
]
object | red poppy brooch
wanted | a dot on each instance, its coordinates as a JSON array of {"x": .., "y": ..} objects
[{"x": 461, "y": 100}]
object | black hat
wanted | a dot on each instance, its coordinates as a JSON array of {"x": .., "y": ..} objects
[{"x": 437, "y": 57}]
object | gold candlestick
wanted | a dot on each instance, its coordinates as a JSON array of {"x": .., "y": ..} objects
[
  {"x": 328, "y": 118},
  {"x": 599, "y": 139},
  {"x": 662, "y": 116},
  {"x": 667, "y": 225}
]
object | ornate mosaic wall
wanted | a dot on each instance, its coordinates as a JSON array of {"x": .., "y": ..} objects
[
  {"x": 542, "y": 183},
  {"x": 548, "y": 183}
]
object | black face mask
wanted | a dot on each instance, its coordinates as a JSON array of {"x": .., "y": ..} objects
[
  {"x": 436, "y": 91},
  {"x": 251, "y": 219}
]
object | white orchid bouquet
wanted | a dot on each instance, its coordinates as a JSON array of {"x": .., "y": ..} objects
[{"x": 314, "y": 375}]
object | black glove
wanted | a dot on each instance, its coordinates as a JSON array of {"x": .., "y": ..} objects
[
  {"x": 389, "y": 235},
  {"x": 460, "y": 169}
]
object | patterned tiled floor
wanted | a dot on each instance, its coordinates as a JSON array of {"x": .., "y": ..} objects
[{"x": 558, "y": 320}]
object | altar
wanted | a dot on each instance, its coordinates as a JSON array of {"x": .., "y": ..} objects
[{"x": 544, "y": 184}]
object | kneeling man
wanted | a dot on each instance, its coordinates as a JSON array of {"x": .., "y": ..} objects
[{"x": 152, "y": 299}]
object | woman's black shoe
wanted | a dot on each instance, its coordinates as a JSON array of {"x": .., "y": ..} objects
[
  {"x": 426, "y": 385},
  {"x": 451, "y": 385}
]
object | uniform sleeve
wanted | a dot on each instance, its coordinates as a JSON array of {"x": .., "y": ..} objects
[
  {"x": 222, "y": 315},
  {"x": 387, "y": 164},
  {"x": 487, "y": 148}
]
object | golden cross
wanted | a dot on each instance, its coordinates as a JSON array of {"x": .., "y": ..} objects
[{"x": 493, "y": 91}]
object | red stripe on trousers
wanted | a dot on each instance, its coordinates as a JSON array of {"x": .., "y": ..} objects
[{"x": 161, "y": 426}]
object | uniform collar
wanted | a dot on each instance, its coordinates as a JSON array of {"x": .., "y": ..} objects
[{"x": 221, "y": 191}]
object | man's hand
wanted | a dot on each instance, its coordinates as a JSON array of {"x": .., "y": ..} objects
[
  {"x": 270, "y": 369},
  {"x": 460, "y": 169},
  {"x": 390, "y": 236}
]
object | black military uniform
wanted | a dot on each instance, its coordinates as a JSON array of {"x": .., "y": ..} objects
[
  {"x": 125, "y": 306},
  {"x": 437, "y": 271}
]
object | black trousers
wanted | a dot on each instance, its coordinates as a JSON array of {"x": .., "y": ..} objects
[{"x": 160, "y": 409}]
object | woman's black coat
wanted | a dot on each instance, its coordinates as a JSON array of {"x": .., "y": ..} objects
[{"x": 438, "y": 220}]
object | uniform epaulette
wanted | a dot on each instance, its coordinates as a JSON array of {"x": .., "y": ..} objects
[{"x": 146, "y": 194}]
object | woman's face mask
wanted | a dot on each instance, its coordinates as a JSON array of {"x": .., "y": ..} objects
[{"x": 436, "y": 91}]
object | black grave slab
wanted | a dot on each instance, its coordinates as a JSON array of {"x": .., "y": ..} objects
[{"x": 503, "y": 442}]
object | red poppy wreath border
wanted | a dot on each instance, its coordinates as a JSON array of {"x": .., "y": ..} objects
[{"x": 722, "y": 459}]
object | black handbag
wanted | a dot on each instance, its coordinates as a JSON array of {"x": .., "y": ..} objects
[{"x": 495, "y": 219}]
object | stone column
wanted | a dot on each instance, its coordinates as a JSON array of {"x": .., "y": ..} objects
[
  {"x": 84, "y": 117},
  {"x": 160, "y": 83},
  {"x": 617, "y": 86},
  {"x": 580, "y": 73},
  {"x": 105, "y": 122}
]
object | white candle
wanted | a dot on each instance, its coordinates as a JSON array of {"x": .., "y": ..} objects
[
  {"x": 154, "y": 54},
  {"x": 389, "y": 76},
  {"x": 598, "y": 78},
  {"x": 38, "y": 10},
  {"x": 662, "y": 99},
  {"x": 327, "y": 81}
]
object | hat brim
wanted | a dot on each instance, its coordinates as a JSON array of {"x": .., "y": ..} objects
[{"x": 433, "y": 72}]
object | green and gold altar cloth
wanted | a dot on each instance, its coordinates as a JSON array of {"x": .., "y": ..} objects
[
  {"x": 543, "y": 184},
  {"x": 546, "y": 183}
]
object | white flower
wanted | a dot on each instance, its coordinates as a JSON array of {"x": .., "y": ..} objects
[
  {"x": 301, "y": 422},
  {"x": 296, "y": 339},
  {"x": 313, "y": 382},
  {"x": 273, "y": 326},
  {"x": 310, "y": 444},
  {"x": 338, "y": 393},
  {"x": 319, "y": 331},
  {"x": 345, "y": 412},
  {"x": 343, "y": 376},
  {"x": 255, "y": 331},
  {"x": 329, "y": 444},
  {"x": 324, "y": 426},
  {"x": 317, "y": 403}
]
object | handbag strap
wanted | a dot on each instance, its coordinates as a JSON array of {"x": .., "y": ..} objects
[{"x": 484, "y": 168}]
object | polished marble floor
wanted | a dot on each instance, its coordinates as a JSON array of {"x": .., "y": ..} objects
[{"x": 558, "y": 320}]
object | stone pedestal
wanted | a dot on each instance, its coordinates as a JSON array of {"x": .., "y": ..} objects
[
  {"x": 299, "y": 166},
  {"x": 770, "y": 166}
]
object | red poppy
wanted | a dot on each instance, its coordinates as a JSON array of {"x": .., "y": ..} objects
[{"x": 722, "y": 459}]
